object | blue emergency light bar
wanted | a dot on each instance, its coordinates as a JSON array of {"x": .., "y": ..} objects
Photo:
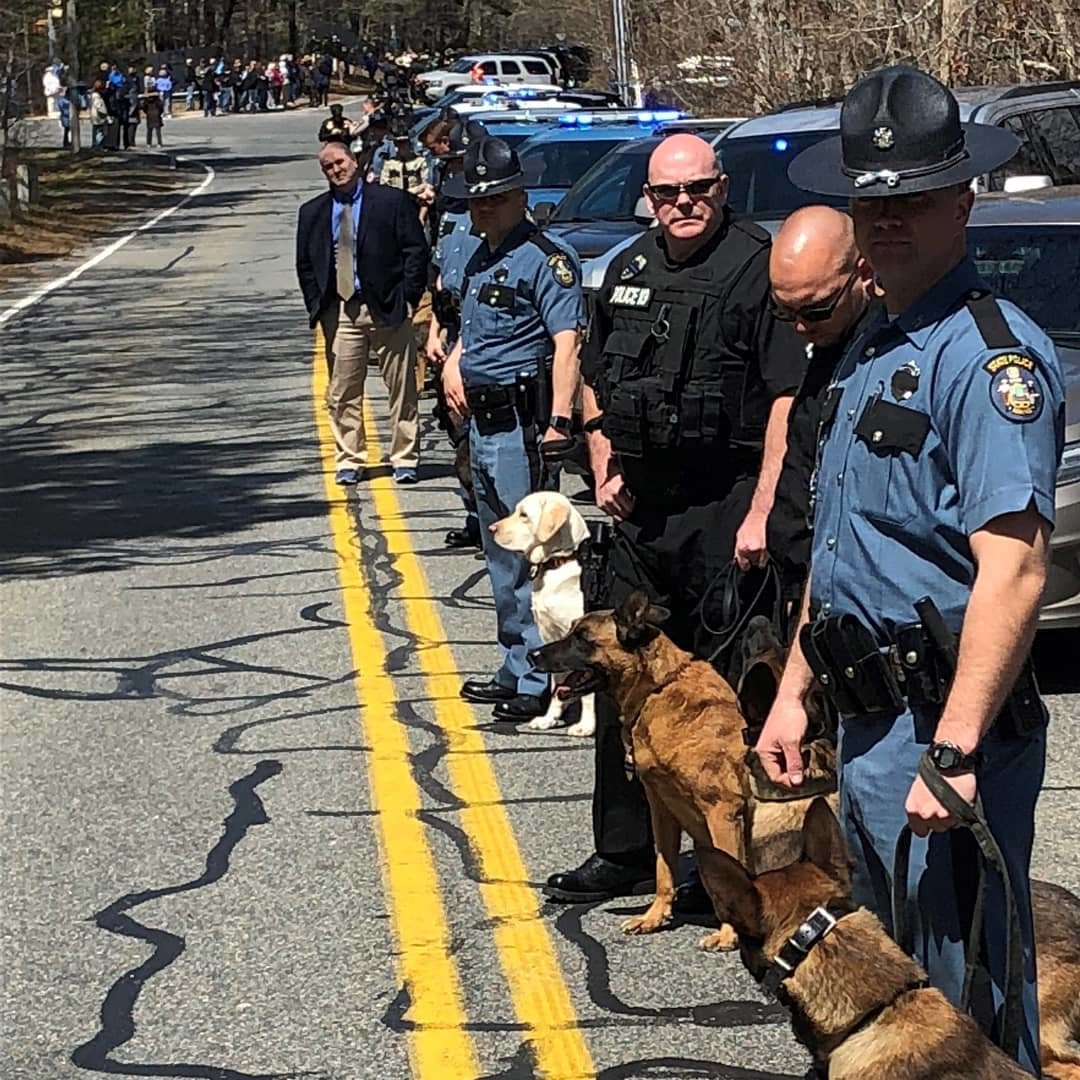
[{"x": 614, "y": 116}]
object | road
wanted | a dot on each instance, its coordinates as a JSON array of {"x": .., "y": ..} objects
[{"x": 249, "y": 829}]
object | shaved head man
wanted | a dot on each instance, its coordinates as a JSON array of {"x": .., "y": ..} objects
[
  {"x": 686, "y": 193},
  {"x": 688, "y": 381},
  {"x": 819, "y": 280},
  {"x": 824, "y": 288}
]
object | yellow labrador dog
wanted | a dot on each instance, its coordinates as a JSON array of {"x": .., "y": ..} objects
[{"x": 547, "y": 530}]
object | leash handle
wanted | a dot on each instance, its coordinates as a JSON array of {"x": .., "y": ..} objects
[
  {"x": 735, "y": 620},
  {"x": 973, "y": 819}
]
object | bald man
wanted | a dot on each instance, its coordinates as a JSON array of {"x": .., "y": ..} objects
[
  {"x": 823, "y": 287},
  {"x": 688, "y": 382}
]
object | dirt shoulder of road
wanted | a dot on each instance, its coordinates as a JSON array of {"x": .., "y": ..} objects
[{"x": 83, "y": 198}]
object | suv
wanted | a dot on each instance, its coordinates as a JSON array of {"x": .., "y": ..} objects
[{"x": 508, "y": 69}]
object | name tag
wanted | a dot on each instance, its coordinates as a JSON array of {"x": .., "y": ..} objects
[{"x": 637, "y": 296}]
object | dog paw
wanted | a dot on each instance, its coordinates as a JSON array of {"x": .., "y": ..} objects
[
  {"x": 648, "y": 923},
  {"x": 582, "y": 729},
  {"x": 542, "y": 723},
  {"x": 723, "y": 940}
]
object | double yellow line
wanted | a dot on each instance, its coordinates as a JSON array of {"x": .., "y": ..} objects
[{"x": 441, "y": 1046}]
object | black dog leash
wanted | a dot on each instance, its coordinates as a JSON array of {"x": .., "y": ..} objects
[
  {"x": 735, "y": 615},
  {"x": 971, "y": 818}
]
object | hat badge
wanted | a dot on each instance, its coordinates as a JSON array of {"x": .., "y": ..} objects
[
  {"x": 481, "y": 169},
  {"x": 884, "y": 139}
]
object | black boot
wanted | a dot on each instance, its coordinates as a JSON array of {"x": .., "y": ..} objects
[{"x": 598, "y": 878}]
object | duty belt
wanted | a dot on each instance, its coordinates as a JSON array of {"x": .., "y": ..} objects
[{"x": 862, "y": 675}]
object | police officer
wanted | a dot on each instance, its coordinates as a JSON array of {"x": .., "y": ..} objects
[
  {"x": 688, "y": 383},
  {"x": 455, "y": 242},
  {"x": 824, "y": 288},
  {"x": 521, "y": 308},
  {"x": 337, "y": 127},
  {"x": 936, "y": 473}
]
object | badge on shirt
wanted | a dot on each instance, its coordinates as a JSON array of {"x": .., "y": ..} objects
[
  {"x": 501, "y": 275},
  {"x": 905, "y": 381},
  {"x": 633, "y": 268},
  {"x": 1015, "y": 389},
  {"x": 636, "y": 296},
  {"x": 561, "y": 269}
]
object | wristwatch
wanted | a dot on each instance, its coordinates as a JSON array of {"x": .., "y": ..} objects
[
  {"x": 949, "y": 758},
  {"x": 561, "y": 424}
]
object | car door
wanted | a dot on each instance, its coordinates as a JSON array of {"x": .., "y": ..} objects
[
  {"x": 1028, "y": 159},
  {"x": 510, "y": 71},
  {"x": 1056, "y": 133},
  {"x": 537, "y": 72}
]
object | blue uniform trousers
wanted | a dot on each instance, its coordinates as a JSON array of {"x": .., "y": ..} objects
[
  {"x": 878, "y": 762},
  {"x": 503, "y": 473}
]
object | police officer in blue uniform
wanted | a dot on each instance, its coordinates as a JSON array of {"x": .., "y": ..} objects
[
  {"x": 455, "y": 242},
  {"x": 514, "y": 372},
  {"x": 940, "y": 441}
]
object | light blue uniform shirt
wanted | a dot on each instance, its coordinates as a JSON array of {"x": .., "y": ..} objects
[
  {"x": 518, "y": 297},
  {"x": 968, "y": 433}
]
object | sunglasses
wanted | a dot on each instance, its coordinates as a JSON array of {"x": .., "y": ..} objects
[
  {"x": 696, "y": 189},
  {"x": 815, "y": 313}
]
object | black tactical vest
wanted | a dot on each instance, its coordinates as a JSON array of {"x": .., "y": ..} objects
[{"x": 678, "y": 367}]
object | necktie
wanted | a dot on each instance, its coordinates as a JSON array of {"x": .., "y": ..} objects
[{"x": 346, "y": 253}]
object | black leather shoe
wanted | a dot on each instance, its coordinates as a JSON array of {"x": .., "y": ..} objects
[
  {"x": 468, "y": 537},
  {"x": 521, "y": 707},
  {"x": 598, "y": 878},
  {"x": 487, "y": 692}
]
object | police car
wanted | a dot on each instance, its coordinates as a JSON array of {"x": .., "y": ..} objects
[{"x": 557, "y": 157}]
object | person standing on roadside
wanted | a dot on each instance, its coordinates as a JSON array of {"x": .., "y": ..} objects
[
  {"x": 824, "y": 288},
  {"x": 943, "y": 430},
  {"x": 134, "y": 108},
  {"x": 154, "y": 114},
  {"x": 209, "y": 88},
  {"x": 514, "y": 372},
  {"x": 361, "y": 260},
  {"x": 688, "y": 381}
]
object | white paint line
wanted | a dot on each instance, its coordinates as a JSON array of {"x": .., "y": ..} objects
[{"x": 104, "y": 253}]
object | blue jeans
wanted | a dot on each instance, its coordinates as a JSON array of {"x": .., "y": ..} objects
[
  {"x": 504, "y": 473},
  {"x": 189, "y": 97},
  {"x": 878, "y": 762},
  {"x": 225, "y": 99},
  {"x": 209, "y": 103}
]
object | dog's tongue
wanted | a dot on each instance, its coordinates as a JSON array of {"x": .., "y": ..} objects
[{"x": 568, "y": 685}]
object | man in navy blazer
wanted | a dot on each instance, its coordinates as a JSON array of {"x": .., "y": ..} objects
[{"x": 364, "y": 302}]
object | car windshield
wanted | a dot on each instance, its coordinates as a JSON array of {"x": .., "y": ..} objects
[
  {"x": 459, "y": 66},
  {"x": 757, "y": 171},
  {"x": 561, "y": 164},
  {"x": 609, "y": 191},
  {"x": 1036, "y": 267}
]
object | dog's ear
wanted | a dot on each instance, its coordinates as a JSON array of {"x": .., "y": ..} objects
[
  {"x": 553, "y": 516},
  {"x": 823, "y": 844},
  {"x": 636, "y": 620},
  {"x": 757, "y": 692},
  {"x": 735, "y": 896}
]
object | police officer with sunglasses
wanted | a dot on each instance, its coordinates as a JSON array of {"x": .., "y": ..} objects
[{"x": 688, "y": 382}]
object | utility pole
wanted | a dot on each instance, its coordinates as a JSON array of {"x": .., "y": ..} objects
[
  {"x": 623, "y": 62},
  {"x": 73, "y": 75}
]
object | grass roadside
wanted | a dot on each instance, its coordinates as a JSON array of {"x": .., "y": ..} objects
[{"x": 84, "y": 198}]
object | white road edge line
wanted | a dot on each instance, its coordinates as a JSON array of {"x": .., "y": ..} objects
[{"x": 104, "y": 253}]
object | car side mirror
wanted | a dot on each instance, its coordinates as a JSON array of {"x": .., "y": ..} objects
[
  {"x": 1015, "y": 184},
  {"x": 642, "y": 214},
  {"x": 542, "y": 212}
]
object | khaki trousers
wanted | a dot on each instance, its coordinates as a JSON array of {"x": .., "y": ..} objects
[{"x": 351, "y": 336}]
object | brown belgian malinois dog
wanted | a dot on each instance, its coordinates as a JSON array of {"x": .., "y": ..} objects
[{"x": 684, "y": 736}]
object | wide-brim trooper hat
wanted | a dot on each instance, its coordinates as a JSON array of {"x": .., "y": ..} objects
[
  {"x": 462, "y": 135},
  {"x": 900, "y": 133},
  {"x": 490, "y": 168}
]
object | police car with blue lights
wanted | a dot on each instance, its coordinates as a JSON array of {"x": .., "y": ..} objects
[{"x": 554, "y": 159}]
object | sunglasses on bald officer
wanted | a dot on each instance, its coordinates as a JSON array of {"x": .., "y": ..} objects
[
  {"x": 815, "y": 312},
  {"x": 696, "y": 189}
]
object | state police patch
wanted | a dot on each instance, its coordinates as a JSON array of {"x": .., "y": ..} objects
[
  {"x": 562, "y": 270},
  {"x": 1015, "y": 389}
]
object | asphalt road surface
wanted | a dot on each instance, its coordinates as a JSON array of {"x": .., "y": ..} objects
[{"x": 249, "y": 829}]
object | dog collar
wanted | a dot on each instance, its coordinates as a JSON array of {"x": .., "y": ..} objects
[
  {"x": 818, "y": 925},
  {"x": 552, "y": 564}
]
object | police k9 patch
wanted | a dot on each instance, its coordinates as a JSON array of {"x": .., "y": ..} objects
[
  {"x": 1015, "y": 389},
  {"x": 633, "y": 267},
  {"x": 561, "y": 270},
  {"x": 635, "y": 296}
]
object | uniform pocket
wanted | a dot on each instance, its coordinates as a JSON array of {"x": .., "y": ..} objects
[{"x": 890, "y": 483}]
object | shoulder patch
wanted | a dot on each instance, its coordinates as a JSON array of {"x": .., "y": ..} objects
[
  {"x": 1015, "y": 389},
  {"x": 562, "y": 269},
  {"x": 633, "y": 267}
]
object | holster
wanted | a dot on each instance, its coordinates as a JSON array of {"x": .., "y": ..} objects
[
  {"x": 594, "y": 556},
  {"x": 850, "y": 667},
  {"x": 447, "y": 308}
]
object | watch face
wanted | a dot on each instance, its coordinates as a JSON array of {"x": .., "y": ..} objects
[{"x": 947, "y": 757}]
